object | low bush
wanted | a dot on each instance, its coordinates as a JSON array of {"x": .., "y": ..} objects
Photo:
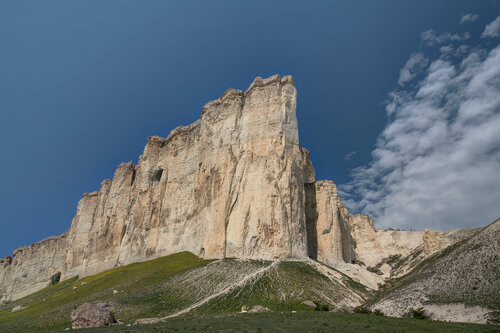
[
  {"x": 322, "y": 307},
  {"x": 375, "y": 270},
  {"x": 362, "y": 309},
  {"x": 418, "y": 313}
]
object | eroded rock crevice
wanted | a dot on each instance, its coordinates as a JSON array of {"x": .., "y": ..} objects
[{"x": 311, "y": 220}]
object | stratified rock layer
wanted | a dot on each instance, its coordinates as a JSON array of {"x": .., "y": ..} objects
[{"x": 236, "y": 183}]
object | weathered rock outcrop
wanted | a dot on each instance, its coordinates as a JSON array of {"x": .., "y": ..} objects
[
  {"x": 31, "y": 267},
  {"x": 92, "y": 315},
  {"x": 236, "y": 183}
]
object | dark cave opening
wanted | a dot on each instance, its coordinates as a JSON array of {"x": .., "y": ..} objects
[{"x": 157, "y": 175}]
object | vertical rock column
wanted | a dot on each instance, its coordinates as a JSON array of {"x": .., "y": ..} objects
[
  {"x": 267, "y": 216},
  {"x": 328, "y": 231}
]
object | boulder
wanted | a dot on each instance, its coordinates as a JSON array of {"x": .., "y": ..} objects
[
  {"x": 347, "y": 309},
  {"x": 54, "y": 279},
  {"x": 18, "y": 308},
  {"x": 258, "y": 308},
  {"x": 244, "y": 308},
  {"x": 92, "y": 315},
  {"x": 310, "y": 303},
  {"x": 344, "y": 309},
  {"x": 147, "y": 321}
]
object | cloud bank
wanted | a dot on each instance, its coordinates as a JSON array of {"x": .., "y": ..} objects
[{"x": 437, "y": 162}]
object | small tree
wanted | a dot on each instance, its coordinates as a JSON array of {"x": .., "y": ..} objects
[
  {"x": 378, "y": 312},
  {"x": 322, "y": 307},
  {"x": 418, "y": 313}
]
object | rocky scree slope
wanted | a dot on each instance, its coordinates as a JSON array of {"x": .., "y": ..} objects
[{"x": 462, "y": 278}]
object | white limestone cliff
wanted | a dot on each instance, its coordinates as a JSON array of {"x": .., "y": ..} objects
[{"x": 236, "y": 183}]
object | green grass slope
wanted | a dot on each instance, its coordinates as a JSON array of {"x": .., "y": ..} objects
[
  {"x": 302, "y": 321},
  {"x": 50, "y": 308},
  {"x": 213, "y": 291},
  {"x": 165, "y": 286},
  {"x": 285, "y": 287}
]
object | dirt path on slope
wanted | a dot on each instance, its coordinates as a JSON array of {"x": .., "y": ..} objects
[{"x": 224, "y": 291}]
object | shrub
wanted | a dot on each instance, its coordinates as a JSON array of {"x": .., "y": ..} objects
[
  {"x": 357, "y": 262},
  {"x": 322, "y": 307},
  {"x": 378, "y": 312},
  {"x": 419, "y": 313},
  {"x": 375, "y": 270},
  {"x": 362, "y": 309},
  {"x": 113, "y": 316}
]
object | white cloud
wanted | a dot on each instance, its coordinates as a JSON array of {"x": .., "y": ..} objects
[
  {"x": 437, "y": 162},
  {"x": 469, "y": 18},
  {"x": 461, "y": 50},
  {"x": 349, "y": 156},
  {"x": 492, "y": 29},
  {"x": 431, "y": 38},
  {"x": 413, "y": 66},
  {"x": 446, "y": 49}
]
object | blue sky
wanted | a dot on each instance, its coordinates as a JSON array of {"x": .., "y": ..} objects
[{"x": 83, "y": 83}]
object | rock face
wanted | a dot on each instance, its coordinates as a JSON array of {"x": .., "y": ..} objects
[
  {"x": 31, "y": 267},
  {"x": 92, "y": 315},
  {"x": 236, "y": 183}
]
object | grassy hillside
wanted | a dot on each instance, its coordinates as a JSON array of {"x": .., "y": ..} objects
[
  {"x": 167, "y": 285},
  {"x": 50, "y": 308},
  {"x": 284, "y": 288},
  {"x": 301, "y": 321},
  {"x": 213, "y": 291}
]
